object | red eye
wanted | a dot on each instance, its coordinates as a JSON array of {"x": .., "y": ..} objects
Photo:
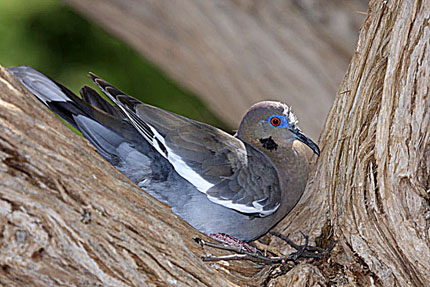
[{"x": 275, "y": 121}]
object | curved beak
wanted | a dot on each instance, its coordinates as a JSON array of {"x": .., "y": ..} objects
[{"x": 307, "y": 141}]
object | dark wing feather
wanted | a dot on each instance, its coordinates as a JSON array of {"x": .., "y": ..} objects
[
  {"x": 254, "y": 186},
  {"x": 92, "y": 98}
]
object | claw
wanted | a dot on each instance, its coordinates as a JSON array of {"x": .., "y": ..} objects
[{"x": 244, "y": 251}]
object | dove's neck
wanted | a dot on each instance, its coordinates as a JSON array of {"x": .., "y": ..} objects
[
  {"x": 289, "y": 159},
  {"x": 292, "y": 167}
]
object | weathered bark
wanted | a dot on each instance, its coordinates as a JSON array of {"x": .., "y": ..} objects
[
  {"x": 236, "y": 53},
  {"x": 68, "y": 218},
  {"x": 371, "y": 184}
]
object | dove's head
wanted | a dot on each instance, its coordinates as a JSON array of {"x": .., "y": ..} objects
[{"x": 270, "y": 124}]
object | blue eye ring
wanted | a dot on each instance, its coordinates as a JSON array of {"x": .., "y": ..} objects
[{"x": 278, "y": 121}]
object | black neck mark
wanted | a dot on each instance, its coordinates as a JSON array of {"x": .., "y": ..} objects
[{"x": 269, "y": 143}]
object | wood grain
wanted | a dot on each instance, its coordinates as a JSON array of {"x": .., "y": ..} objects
[{"x": 371, "y": 183}]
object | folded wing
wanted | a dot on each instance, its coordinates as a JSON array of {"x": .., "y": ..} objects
[{"x": 230, "y": 172}]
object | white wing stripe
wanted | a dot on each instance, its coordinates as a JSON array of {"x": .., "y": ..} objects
[
  {"x": 256, "y": 208},
  {"x": 178, "y": 164}
]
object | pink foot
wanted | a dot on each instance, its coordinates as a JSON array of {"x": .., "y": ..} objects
[{"x": 231, "y": 241}]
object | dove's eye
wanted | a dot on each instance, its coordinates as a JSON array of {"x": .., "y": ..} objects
[
  {"x": 275, "y": 121},
  {"x": 278, "y": 121}
]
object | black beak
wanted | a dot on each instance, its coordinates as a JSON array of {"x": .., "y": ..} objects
[{"x": 307, "y": 141}]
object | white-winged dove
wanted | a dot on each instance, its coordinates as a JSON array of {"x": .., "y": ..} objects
[{"x": 240, "y": 185}]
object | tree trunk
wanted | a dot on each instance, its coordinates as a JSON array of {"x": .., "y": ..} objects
[
  {"x": 371, "y": 184},
  {"x": 236, "y": 53},
  {"x": 68, "y": 218}
]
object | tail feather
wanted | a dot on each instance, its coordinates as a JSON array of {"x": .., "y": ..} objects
[
  {"x": 45, "y": 89},
  {"x": 102, "y": 124},
  {"x": 80, "y": 113},
  {"x": 54, "y": 95}
]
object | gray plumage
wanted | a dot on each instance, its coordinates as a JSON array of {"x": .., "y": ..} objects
[{"x": 239, "y": 185}]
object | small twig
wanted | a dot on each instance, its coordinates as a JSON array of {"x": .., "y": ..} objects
[
  {"x": 251, "y": 257},
  {"x": 236, "y": 249},
  {"x": 267, "y": 249},
  {"x": 303, "y": 251},
  {"x": 243, "y": 254}
]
